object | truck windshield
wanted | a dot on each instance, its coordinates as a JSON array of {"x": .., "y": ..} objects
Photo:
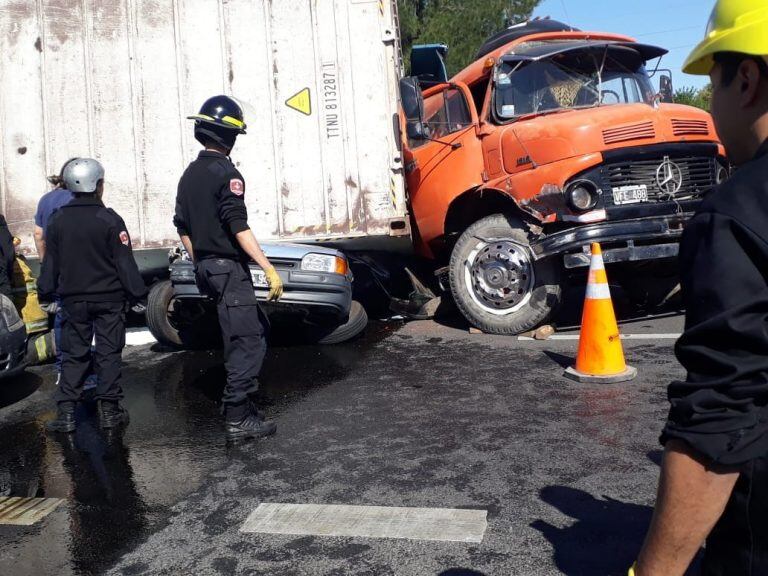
[{"x": 569, "y": 81}]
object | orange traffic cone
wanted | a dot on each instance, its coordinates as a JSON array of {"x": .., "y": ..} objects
[{"x": 601, "y": 357}]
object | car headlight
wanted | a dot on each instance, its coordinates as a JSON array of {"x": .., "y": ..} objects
[
  {"x": 582, "y": 195},
  {"x": 9, "y": 314},
  {"x": 324, "y": 263}
]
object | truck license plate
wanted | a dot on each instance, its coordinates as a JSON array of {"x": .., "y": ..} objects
[
  {"x": 259, "y": 279},
  {"x": 630, "y": 194}
]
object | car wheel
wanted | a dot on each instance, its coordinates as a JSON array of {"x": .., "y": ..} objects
[
  {"x": 180, "y": 324},
  {"x": 358, "y": 320},
  {"x": 495, "y": 282}
]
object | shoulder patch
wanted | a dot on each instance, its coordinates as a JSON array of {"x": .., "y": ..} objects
[
  {"x": 124, "y": 238},
  {"x": 237, "y": 187}
]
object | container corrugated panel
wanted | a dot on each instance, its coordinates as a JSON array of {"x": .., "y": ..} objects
[{"x": 115, "y": 79}]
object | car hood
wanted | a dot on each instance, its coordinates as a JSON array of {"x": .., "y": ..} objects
[{"x": 290, "y": 251}]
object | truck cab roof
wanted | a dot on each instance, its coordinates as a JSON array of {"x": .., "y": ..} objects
[
  {"x": 534, "y": 51},
  {"x": 519, "y": 31}
]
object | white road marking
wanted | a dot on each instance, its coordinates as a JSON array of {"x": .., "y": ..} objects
[
  {"x": 623, "y": 337},
  {"x": 138, "y": 337},
  {"x": 435, "y": 524}
]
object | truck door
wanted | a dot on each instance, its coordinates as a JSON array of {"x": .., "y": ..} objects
[{"x": 444, "y": 158}]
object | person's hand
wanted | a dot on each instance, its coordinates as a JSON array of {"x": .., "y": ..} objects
[
  {"x": 139, "y": 308},
  {"x": 50, "y": 307},
  {"x": 275, "y": 284}
]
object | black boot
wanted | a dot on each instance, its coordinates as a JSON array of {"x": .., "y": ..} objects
[
  {"x": 112, "y": 415},
  {"x": 241, "y": 424},
  {"x": 255, "y": 410},
  {"x": 65, "y": 418}
]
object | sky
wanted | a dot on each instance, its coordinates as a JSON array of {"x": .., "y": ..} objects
[{"x": 677, "y": 25}]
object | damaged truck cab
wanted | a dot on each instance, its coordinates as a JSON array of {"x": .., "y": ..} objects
[{"x": 551, "y": 140}]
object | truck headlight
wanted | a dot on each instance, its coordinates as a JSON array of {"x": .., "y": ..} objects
[
  {"x": 582, "y": 195},
  {"x": 324, "y": 263},
  {"x": 723, "y": 174}
]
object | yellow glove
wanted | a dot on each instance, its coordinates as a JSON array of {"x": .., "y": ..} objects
[
  {"x": 275, "y": 284},
  {"x": 632, "y": 570}
]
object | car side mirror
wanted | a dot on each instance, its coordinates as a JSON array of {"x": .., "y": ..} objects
[
  {"x": 412, "y": 101},
  {"x": 666, "y": 90}
]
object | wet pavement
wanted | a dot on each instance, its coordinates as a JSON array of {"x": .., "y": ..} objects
[{"x": 420, "y": 415}]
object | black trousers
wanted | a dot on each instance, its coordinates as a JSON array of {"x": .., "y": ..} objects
[
  {"x": 244, "y": 326},
  {"x": 80, "y": 322},
  {"x": 738, "y": 545}
]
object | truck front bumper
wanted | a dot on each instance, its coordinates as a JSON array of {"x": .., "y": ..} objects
[
  {"x": 315, "y": 293},
  {"x": 622, "y": 241}
]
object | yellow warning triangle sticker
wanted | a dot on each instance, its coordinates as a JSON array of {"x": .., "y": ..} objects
[{"x": 301, "y": 102}]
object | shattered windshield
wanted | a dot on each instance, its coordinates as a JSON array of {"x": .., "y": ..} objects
[{"x": 576, "y": 79}]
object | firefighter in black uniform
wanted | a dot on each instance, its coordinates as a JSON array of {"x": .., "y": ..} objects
[
  {"x": 89, "y": 264},
  {"x": 714, "y": 477},
  {"x": 212, "y": 222}
]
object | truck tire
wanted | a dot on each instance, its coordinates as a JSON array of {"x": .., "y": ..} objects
[
  {"x": 358, "y": 320},
  {"x": 495, "y": 282},
  {"x": 189, "y": 335}
]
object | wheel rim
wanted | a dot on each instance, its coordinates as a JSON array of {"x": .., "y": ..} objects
[{"x": 499, "y": 276}]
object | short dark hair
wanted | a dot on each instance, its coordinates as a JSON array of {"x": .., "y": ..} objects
[{"x": 730, "y": 62}]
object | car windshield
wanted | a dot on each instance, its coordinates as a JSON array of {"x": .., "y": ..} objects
[{"x": 575, "y": 79}]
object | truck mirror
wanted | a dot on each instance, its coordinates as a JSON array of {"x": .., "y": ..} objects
[
  {"x": 413, "y": 107},
  {"x": 666, "y": 90}
]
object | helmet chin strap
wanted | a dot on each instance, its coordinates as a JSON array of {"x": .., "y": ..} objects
[{"x": 223, "y": 137}]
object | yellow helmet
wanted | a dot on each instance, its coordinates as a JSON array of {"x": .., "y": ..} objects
[{"x": 735, "y": 26}]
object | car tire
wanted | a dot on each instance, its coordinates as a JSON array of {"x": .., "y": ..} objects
[
  {"x": 358, "y": 320},
  {"x": 193, "y": 336},
  {"x": 495, "y": 282}
]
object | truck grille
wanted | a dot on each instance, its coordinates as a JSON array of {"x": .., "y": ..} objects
[{"x": 698, "y": 176}]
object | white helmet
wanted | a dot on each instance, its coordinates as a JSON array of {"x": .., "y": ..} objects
[{"x": 83, "y": 175}]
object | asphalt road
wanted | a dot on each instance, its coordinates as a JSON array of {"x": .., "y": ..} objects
[{"x": 416, "y": 415}]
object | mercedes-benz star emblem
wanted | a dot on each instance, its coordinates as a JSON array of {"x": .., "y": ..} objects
[{"x": 669, "y": 177}]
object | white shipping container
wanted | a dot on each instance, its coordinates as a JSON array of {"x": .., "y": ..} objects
[{"x": 115, "y": 80}]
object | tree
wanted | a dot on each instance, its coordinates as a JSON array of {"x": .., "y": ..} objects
[
  {"x": 462, "y": 24},
  {"x": 700, "y": 98}
]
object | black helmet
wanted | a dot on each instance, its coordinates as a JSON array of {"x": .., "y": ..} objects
[{"x": 221, "y": 111}]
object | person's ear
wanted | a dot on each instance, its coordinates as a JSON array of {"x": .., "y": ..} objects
[{"x": 749, "y": 78}]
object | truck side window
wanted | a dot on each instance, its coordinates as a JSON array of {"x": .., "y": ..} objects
[{"x": 446, "y": 112}]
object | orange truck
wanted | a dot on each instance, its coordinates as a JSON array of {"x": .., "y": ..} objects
[{"x": 552, "y": 139}]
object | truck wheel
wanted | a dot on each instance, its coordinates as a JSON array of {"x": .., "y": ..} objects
[
  {"x": 495, "y": 282},
  {"x": 358, "y": 320},
  {"x": 179, "y": 325}
]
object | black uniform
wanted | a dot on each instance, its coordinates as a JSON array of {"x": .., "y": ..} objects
[
  {"x": 89, "y": 264},
  {"x": 210, "y": 209},
  {"x": 721, "y": 410}
]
